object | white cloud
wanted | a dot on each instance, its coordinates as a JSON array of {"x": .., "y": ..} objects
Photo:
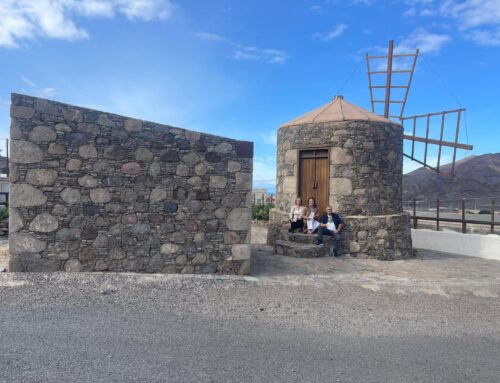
[
  {"x": 337, "y": 31},
  {"x": 317, "y": 8},
  {"x": 28, "y": 19},
  {"x": 246, "y": 52},
  {"x": 486, "y": 38},
  {"x": 427, "y": 42},
  {"x": 476, "y": 20},
  {"x": 35, "y": 90},
  {"x": 272, "y": 56},
  {"x": 269, "y": 137},
  {"x": 264, "y": 172},
  {"x": 472, "y": 13},
  {"x": 210, "y": 37}
]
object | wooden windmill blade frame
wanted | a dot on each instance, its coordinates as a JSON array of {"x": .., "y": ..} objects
[
  {"x": 387, "y": 101},
  {"x": 430, "y": 141},
  {"x": 388, "y": 83}
]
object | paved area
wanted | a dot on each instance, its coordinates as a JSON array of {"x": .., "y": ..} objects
[{"x": 435, "y": 318}]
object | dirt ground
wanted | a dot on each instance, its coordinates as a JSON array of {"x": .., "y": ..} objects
[{"x": 430, "y": 272}]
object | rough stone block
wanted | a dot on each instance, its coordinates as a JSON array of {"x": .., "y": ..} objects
[
  {"x": 100, "y": 195},
  {"x": 20, "y": 243},
  {"x": 243, "y": 181},
  {"x": 218, "y": 182},
  {"x": 291, "y": 156},
  {"x": 290, "y": 185},
  {"x": 16, "y": 221},
  {"x": 239, "y": 219},
  {"x": 87, "y": 151},
  {"x": 24, "y": 195},
  {"x": 19, "y": 111},
  {"x": 70, "y": 196},
  {"x": 340, "y": 156},
  {"x": 41, "y": 177},
  {"x": 244, "y": 149},
  {"x": 57, "y": 149},
  {"x": 42, "y": 134},
  {"x": 25, "y": 152},
  {"x": 240, "y": 252},
  {"x": 73, "y": 165},
  {"x": 44, "y": 223},
  {"x": 341, "y": 186}
]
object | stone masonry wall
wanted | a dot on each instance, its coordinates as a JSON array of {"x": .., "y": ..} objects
[
  {"x": 93, "y": 191},
  {"x": 366, "y": 160}
]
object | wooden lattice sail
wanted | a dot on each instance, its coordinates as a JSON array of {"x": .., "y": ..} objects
[{"x": 377, "y": 73}]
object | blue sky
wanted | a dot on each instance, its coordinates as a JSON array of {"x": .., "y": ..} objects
[{"x": 242, "y": 68}]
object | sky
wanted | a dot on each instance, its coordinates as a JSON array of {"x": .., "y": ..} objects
[{"x": 242, "y": 68}]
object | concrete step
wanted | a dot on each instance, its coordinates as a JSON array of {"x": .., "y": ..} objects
[{"x": 300, "y": 250}]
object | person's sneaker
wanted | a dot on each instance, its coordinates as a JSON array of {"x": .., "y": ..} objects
[{"x": 320, "y": 244}]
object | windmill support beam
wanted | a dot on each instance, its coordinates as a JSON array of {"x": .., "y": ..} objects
[
  {"x": 388, "y": 80},
  {"x": 451, "y": 177},
  {"x": 438, "y": 142},
  {"x": 433, "y": 114}
]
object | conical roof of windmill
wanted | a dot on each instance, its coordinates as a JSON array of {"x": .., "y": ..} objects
[{"x": 337, "y": 110}]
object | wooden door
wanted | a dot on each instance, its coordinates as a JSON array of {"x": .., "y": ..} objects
[{"x": 314, "y": 174}]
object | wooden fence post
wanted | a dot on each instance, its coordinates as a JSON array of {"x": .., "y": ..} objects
[
  {"x": 437, "y": 214},
  {"x": 414, "y": 213},
  {"x": 464, "y": 223},
  {"x": 493, "y": 217}
]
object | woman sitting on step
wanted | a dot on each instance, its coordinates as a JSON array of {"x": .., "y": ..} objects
[
  {"x": 311, "y": 216},
  {"x": 296, "y": 216}
]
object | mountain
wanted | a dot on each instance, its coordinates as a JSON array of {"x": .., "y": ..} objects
[{"x": 477, "y": 177}]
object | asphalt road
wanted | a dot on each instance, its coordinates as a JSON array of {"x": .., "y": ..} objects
[{"x": 433, "y": 319}]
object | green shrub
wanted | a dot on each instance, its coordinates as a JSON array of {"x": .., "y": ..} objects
[
  {"x": 4, "y": 213},
  {"x": 484, "y": 212},
  {"x": 261, "y": 212}
]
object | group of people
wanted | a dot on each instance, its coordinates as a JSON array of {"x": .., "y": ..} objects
[{"x": 308, "y": 220}]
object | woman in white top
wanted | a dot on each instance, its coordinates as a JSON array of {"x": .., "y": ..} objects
[
  {"x": 311, "y": 216},
  {"x": 296, "y": 216}
]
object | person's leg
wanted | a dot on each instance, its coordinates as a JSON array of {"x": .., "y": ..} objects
[
  {"x": 300, "y": 224},
  {"x": 297, "y": 225},
  {"x": 321, "y": 232},
  {"x": 319, "y": 237},
  {"x": 337, "y": 241}
]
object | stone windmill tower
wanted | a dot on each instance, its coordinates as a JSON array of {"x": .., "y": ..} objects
[{"x": 351, "y": 159}]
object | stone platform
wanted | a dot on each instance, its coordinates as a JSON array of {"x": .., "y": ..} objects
[
  {"x": 384, "y": 237},
  {"x": 300, "y": 245}
]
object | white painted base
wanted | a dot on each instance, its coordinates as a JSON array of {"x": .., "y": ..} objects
[{"x": 474, "y": 245}]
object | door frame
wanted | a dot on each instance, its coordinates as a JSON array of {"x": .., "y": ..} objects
[{"x": 307, "y": 149}]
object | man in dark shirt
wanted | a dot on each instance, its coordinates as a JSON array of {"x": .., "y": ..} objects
[{"x": 331, "y": 224}]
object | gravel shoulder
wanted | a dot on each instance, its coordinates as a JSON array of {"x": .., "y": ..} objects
[{"x": 435, "y": 318}]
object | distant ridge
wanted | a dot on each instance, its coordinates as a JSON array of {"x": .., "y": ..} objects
[{"x": 477, "y": 177}]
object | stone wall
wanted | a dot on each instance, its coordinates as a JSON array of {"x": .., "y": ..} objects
[
  {"x": 365, "y": 184},
  {"x": 366, "y": 160},
  {"x": 94, "y": 191}
]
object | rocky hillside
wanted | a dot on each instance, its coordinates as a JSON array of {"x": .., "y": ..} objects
[{"x": 477, "y": 176}]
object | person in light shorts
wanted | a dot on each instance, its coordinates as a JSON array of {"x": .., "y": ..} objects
[{"x": 311, "y": 216}]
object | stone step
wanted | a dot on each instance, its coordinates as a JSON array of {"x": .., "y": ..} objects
[
  {"x": 307, "y": 238},
  {"x": 300, "y": 250}
]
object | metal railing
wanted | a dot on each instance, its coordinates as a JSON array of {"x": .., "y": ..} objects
[{"x": 463, "y": 212}]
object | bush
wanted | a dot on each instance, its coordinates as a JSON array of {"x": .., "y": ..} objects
[
  {"x": 4, "y": 213},
  {"x": 261, "y": 212},
  {"x": 484, "y": 212}
]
